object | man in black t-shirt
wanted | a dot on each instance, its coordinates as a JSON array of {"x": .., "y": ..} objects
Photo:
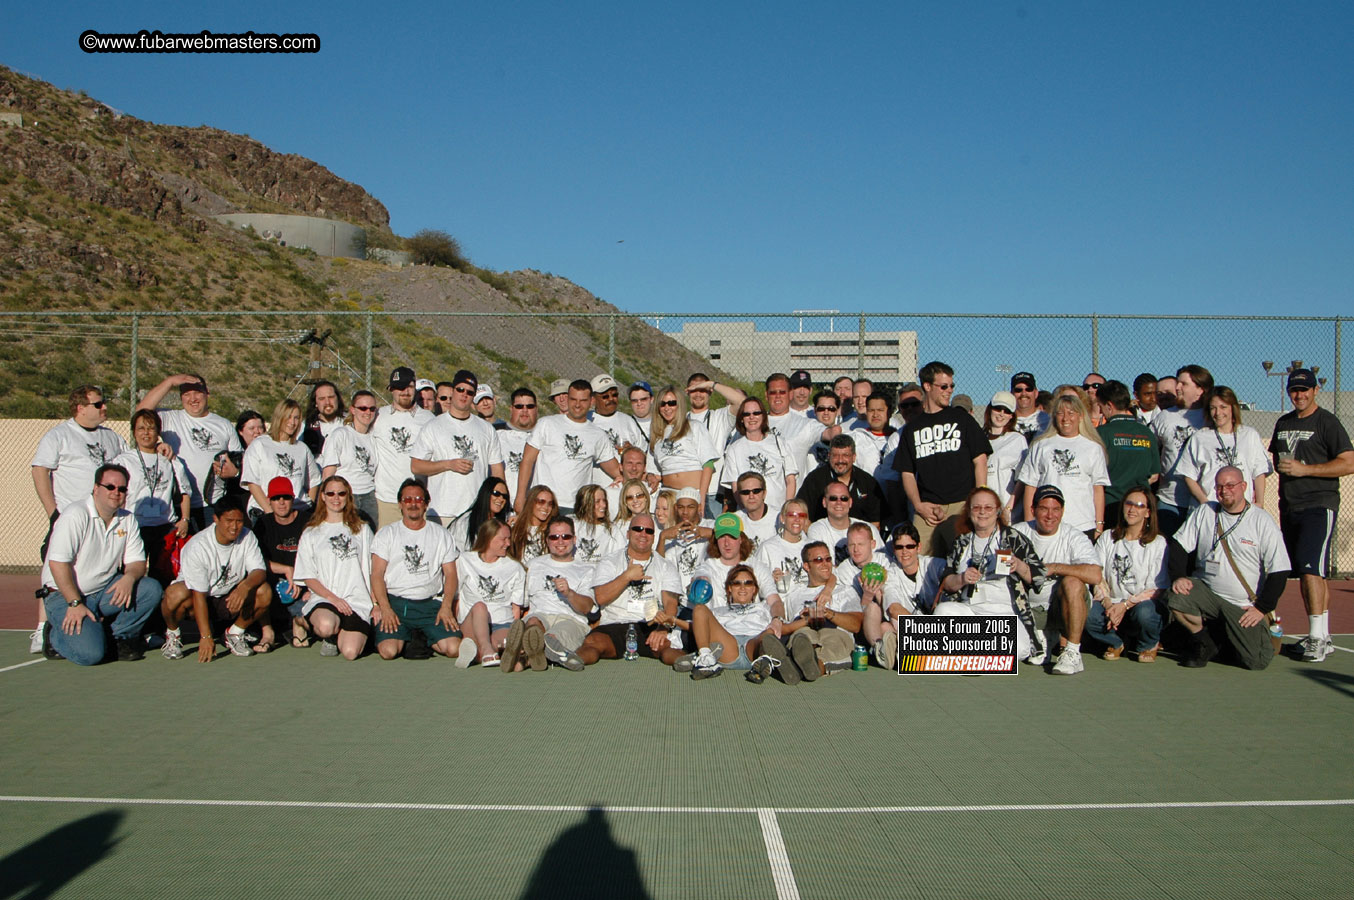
[
  {"x": 1311, "y": 451},
  {"x": 279, "y": 534},
  {"x": 942, "y": 457}
]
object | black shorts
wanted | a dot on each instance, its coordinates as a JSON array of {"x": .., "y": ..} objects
[
  {"x": 347, "y": 621},
  {"x": 616, "y": 632},
  {"x": 1307, "y": 537}
]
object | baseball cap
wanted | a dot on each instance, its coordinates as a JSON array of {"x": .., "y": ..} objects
[
  {"x": 1302, "y": 378},
  {"x": 465, "y": 376},
  {"x": 483, "y": 391},
  {"x": 424, "y": 383},
  {"x": 1044, "y": 491},
  {"x": 801, "y": 379},
  {"x": 559, "y": 386},
  {"x": 1004, "y": 399},
  {"x": 280, "y": 487},
  {"x": 1024, "y": 378},
  {"x": 641, "y": 386},
  {"x": 602, "y": 383},
  {"x": 963, "y": 401},
  {"x": 688, "y": 493},
  {"x": 728, "y": 524},
  {"x": 401, "y": 378}
]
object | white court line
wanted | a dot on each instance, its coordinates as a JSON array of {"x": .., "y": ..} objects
[
  {"x": 698, "y": 810},
  {"x": 781, "y": 874},
  {"x": 31, "y": 662}
]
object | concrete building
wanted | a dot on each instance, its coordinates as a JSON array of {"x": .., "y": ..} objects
[
  {"x": 746, "y": 353},
  {"x": 327, "y": 237}
]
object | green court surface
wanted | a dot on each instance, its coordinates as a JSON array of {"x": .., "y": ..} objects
[{"x": 292, "y": 775}]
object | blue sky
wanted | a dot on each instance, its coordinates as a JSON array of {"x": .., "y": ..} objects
[{"x": 1032, "y": 157}]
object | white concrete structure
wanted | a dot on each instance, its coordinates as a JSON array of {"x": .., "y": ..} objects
[{"x": 746, "y": 353}]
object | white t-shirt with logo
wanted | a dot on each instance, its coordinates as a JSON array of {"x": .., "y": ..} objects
[
  {"x": 1075, "y": 465},
  {"x": 1174, "y": 428},
  {"x": 1067, "y": 546},
  {"x": 74, "y": 454},
  {"x": 797, "y": 433},
  {"x": 1257, "y": 547},
  {"x": 636, "y": 600},
  {"x": 197, "y": 441},
  {"x": 835, "y": 538},
  {"x": 769, "y": 457},
  {"x": 763, "y": 529},
  {"x": 687, "y": 556},
  {"x": 541, "y": 596},
  {"x": 393, "y": 434},
  {"x": 354, "y": 457},
  {"x": 1209, "y": 450},
  {"x": 1131, "y": 567},
  {"x": 447, "y": 437},
  {"x": 512, "y": 441},
  {"x": 688, "y": 453},
  {"x": 212, "y": 568},
  {"x": 414, "y": 559},
  {"x": 150, "y": 488},
  {"x": 499, "y": 585},
  {"x": 266, "y": 459},
  {"x": 1008, "y": 453},
  {"x": 911, "y": 590},
  {"x": 568, "y": 451},
  {"x": 777, "y": 553},
  {"x": 340, "y": 560}
]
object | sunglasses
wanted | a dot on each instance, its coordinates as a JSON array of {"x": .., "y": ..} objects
[
  {"x": 837, "y": 499},
  {"x": 748, "y": 492},
  {"x": 667, "y": 403},
  {"x": 559, "y": 537},
  {"x": 796, "y": 515},
  {"x": 524, "y": 406},
  {"x": 752, "y": 412},
  {"x": 114, "y": 488},
  {"x": 282, "y": 497},
  {"x": 904, "y": 546},
  {"x": 445, "y": 398},
  {"x": 502, "y": 495},
  {"x": 909, "y": 404},
  {"x": 412, "y": 501},
  {"x": 1090, "y": 387},
  {"x": 825, "y": 409},
  {"x": 1023, "y": 390},
  {"x": 1136, "y": 504},
  {"x": 97, "y": 404},
  {"x": 820, "y": 559},
  {"x": 336, "y": 493},
  {"x": 373, "y": 409},
  {"x": 641, "y": 529},
  {"x": 742, "y": 582},
  {"x": 464, "y": 390}
]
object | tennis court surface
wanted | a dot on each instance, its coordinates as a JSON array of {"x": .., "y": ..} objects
[{"x": 292, "y": 775}]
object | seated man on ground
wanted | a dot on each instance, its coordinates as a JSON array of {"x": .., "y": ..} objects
[
  {"x": 413, "y": 582},
  {"x": 559, "y": 598},
  {"x": 222, "y": 579},
  {"x": 634, "y": 587},
  {"x": 278, "y": 532},
  {"x": 820, "y": 636}
]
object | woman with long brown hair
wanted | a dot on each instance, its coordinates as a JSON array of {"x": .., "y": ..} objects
[{"x": 333, "y": 561}]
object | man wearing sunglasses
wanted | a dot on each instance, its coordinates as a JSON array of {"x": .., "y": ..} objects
[
  {"x": 94, "y": 575},
  {"x": 456, "y": 452},
  {"x": 559, "y": 598},
  {"x": 512, "y": 437},
  {"x": 634, "y": 586},
  {"x": 1311, "y": 451},
  {"x": 1031, "y": 421}
]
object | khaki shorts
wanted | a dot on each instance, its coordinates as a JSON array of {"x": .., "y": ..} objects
[{"x": 567, "y": 628}]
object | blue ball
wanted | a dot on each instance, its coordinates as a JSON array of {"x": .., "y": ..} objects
[{"x": 700, "y": 591}]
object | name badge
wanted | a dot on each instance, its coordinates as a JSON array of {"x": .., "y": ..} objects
[{"x": 1212, "y": 568}]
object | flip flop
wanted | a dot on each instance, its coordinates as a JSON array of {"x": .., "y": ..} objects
[{"x": 265, "y": 646}]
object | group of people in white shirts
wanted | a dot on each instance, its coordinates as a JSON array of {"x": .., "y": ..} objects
[{"x": 677, "y": 531}]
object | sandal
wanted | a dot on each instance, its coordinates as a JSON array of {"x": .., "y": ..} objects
[{"x": 490, "y": 661}]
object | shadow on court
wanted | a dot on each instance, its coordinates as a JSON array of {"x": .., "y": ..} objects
[
  {"x": 43, "y": 867},
  {"x": 1336, "y": 681},
  {"x": 586, "y": 861}
]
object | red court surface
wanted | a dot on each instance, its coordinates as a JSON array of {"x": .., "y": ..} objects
[{"x": 18, "y": 609}]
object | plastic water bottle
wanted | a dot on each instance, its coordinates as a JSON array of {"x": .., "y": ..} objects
[
  {"x": 1276, "y": 631},
  {"x": 631, "y": 642}
]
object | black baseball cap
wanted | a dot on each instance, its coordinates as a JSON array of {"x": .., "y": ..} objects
[
  {"x": 1302, "y": 378},
  {"x": 401, "y": 378},
  {"x": 1022, "y": 378},
  {"x": 465, "y": 376},
  {"x": 1044, "y": 491},
  {"x": 801, "y": 379}
]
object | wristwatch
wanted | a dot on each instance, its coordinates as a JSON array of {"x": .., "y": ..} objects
[{"x": 71, "y": 604}]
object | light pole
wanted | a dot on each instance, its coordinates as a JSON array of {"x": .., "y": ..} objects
[
  {"x": 1003, "y": 371},
  {"x": 1268, "y": 366}
]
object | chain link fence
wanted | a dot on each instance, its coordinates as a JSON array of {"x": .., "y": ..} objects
[{"x": 254, "y": 359}]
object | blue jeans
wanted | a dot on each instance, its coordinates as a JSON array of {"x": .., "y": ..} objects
[
  {"x": 1143, "y": 619},
  {"x": 89, "y": 646}
]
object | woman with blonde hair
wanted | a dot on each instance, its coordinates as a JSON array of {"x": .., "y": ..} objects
[
  {"x": 490, "y": 593},
  {"x": 680, "y": 448},
  {"x": 1071, "y": 456},
  {"x": 635, "y": 499},
  {"x": 592, "y": 524},
  {"x": 333, "y": 562},
  {"x": 280, "y": 454}
]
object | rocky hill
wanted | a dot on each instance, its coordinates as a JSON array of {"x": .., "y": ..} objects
[{"x": 100, "y": 211}]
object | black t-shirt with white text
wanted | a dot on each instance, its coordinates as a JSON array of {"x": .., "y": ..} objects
[
  {"x": 1314, "y": 440},
  {"x": 939, "y": 449}
]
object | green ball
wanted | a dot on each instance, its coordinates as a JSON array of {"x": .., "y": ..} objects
[{"x": 873, "y": 573}]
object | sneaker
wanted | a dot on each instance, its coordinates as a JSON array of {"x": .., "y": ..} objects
[
  {"x": 890, "y": 642},
  {"x": 707, "y": 664},
  {"x": 832, "y": 668},
  {"x": 1069, "y": 662},
  {"x": 512, "y": 647},
  {"x": 173, "y": 648},
  {"x": 762, "y": 667},
  {"x": 804, "y": 655},
  {"x": 688, "y": 661},
  {"x": 533, "y": 645},
  {"x": 557, "y": 653},
  {"x": 1037, "y": 658},
  {"x": 1201, "y": 650},
  {"x": 773, "y": 647},
  {"x": 1316, "y": 649},
  {"x": 238, "y": 644},
  {"x": 129, "y": 649},
  {"x": 328, "y": 647},
  {"x": 48, "y": 651},
  {"x": 417, "y": 646},
  {"x": 35, "y": 640},
  {"x": 466, "y": 655}
]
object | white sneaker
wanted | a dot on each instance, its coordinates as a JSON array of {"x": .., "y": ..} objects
[
  {"x": 1316, "y": 649},
  {"x": 466, "y": 655},
  {"x": 35, "y": 641},
  {"x": 1036, "y": 658},
  {"x": 1069, "y": 662},
  {"x": 173, "y": 646},
  {"x": 237, "y": 645}
]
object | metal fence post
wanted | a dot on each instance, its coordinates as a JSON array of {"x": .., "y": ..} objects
[
  {"x": 136, "y": 347},
  {"x": 1335, "y": 410},
  {"x": 1095, "y": 343},
  {"x": 370, "y": 318},
  {"x": 860, "y": 350},
  {"x": 611, "y": 345}
]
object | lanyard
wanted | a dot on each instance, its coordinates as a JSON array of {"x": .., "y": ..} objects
[{"x": 1217, "y": 527}]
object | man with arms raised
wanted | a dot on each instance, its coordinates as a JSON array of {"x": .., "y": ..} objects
[
  {"x": 456, "y": 452},
  {"x": 1311, "y": 451},
  {"x": 718, "y": 422},
  {"x": 942, "y": 456},
  {"x": 1073, "y": 568},
  {"x": 634, "y": 586},
  {"x": 93, "y": 541},
  {"x": 394, "y": 432},
  {"x": 222, "y": 577},
  {"x": 413, "y": 582},
  {"x": 197, "y": 436},
  {"x": 1240, "y": 570}
]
